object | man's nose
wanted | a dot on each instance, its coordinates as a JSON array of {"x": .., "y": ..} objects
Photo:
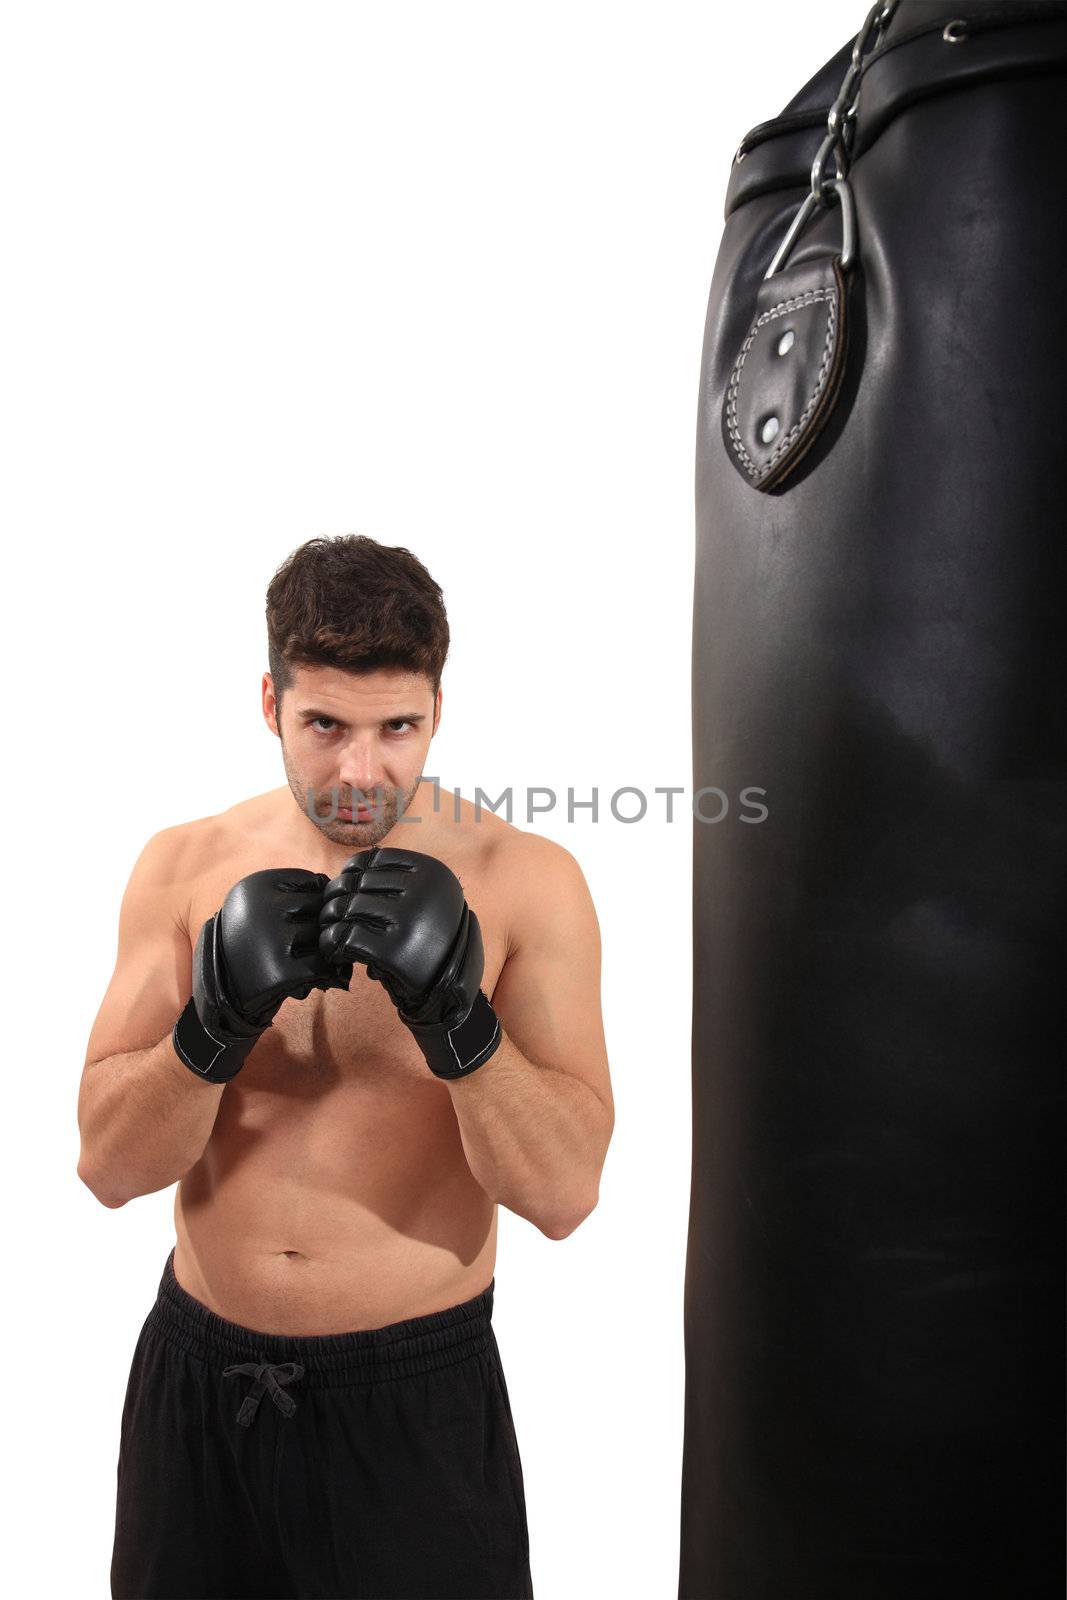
[{"x": 360, "y": 769}]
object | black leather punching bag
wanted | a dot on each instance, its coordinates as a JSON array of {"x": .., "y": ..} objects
[{"x": 874, "y": 1313}]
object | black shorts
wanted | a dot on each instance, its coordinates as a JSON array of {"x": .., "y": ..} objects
[{"x": 372, "y": 1464}]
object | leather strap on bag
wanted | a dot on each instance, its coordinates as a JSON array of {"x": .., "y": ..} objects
[{"x": 788, "y": 373}]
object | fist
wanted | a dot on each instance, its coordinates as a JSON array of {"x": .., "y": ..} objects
[
  {"x": 400, "y": 914},
  {"x": 404, "y": 916}
]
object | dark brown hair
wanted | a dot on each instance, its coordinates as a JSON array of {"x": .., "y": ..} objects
[{"x": 353, "y": 603}]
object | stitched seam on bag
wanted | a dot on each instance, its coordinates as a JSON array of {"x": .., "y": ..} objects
[{"x": 812, "y": 297}]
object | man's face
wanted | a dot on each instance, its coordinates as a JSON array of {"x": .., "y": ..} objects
[{"x": 357, "y": 742}]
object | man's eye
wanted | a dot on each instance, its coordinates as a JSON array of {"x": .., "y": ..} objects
[
  {"x": 398, "y": 726},
  {"x": 318, "y": 722}
]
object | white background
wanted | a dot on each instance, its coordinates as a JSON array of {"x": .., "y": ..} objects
[{"x": 436, "y": 273}]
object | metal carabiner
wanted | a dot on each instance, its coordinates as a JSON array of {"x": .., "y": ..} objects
[
  {"x": 837, "y": 141},
  {"x": 843, "y": 190}
]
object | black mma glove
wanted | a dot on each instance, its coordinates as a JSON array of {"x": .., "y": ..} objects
[
  {"x": 404, "y": 916},
  {"x": 259, "y": 949}
]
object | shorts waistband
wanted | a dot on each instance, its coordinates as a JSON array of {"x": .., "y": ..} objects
[{"x": 370, "y": 1355}]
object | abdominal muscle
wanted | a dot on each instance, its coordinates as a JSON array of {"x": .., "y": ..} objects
[{"x": 333, "y": 1193}]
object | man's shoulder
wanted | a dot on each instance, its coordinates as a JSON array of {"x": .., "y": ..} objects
[
  {"x": 549, "y": 903},
  {"x": 178, "y": 854},
  {"x": 538, "y": 880},
  {"x": 528, "y": 852},
  {"x": 503, "y": 848}
]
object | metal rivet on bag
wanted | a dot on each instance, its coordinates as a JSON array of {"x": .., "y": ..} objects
[
  {"x": 768, "y": 430},
  {"x": 955, "y": 32},
  {"x": 785, "y": 343}
]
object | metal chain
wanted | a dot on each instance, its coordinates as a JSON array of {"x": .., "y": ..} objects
[{"x": 838, "y": 142}]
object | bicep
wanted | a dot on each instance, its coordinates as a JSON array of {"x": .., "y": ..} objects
[
  {"x": 548, "y": 993},
  {"x": 152, "y": 979}
]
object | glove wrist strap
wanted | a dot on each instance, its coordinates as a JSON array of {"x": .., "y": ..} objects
[
  {"x": 215, "y": 1059},
  {"x": 455, "y": 1049}
]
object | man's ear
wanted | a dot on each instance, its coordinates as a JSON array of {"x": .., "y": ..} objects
[
  {"x": 271, "y": 707},
  {"x": 436, "y": 711}
]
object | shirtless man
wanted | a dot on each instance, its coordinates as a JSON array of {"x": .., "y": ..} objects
[{"x": 316, "y": 1403}]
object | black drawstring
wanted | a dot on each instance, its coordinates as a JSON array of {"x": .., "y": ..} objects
[{"x": 269, "y": 1378}]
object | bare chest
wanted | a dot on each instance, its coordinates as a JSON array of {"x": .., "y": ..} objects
[
  {"x": 334, "y": 1191},
  {"x": 335, "y": 1150}
]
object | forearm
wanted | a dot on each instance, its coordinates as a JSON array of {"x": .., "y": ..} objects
[
  {"x": 144, "y": 1119},
  {"x": 534, "y": 1137}
]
